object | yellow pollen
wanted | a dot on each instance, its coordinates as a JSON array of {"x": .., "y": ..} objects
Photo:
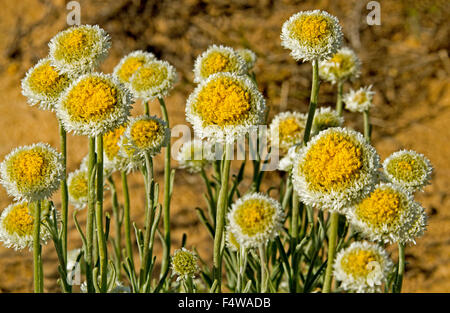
[
  {"x": 223, "y": 102},
  {"x": 111, "y": 141},
  {"x": 45, "y": 79},
  {"x": 216, "y": 62},
  {"x": 332, "y": 163},
  {"x": 406, "y": 168},
  {"x": 145, "y": 132},
  {"x": 79, "y": 186},
  {"x": 75, "y": 44},
  {"x": 149, "y": 76},
  {"x": 311, "y": 29},
  {"x": 129, "y": 67},
  {"x": 360, "y": 97},
  {"x": 232, "y": 240},
  {"x": 90, "y": 100},
  {"x": 19, "y": 220},
  {"x": 382, "y": 207},
  {"x": 28, "y": 167},
  {"x": 289, "y": 128},
  {"x": 254, "y": 216},
  {"x": 358, "y": 262},
  {"x": 184, "y": 263}
]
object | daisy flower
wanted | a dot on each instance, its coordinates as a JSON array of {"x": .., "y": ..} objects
[
  {"x": 224, "y": 107},
  {"x": 362, "y": 267},
  {"x": 32, "y": 172},
  {"x": 343, "y": 65},
  {"x": 218, "y": 59},
  {"x": 325, "y": 118},
  {"x": 311, "y": 35},
  {"x": 94, "y": 104},
  {"x": 287, "y": 162},
  {"x": 249, "y": 57},
  {"x": 231, "y": 240},
  {"x": 336, "y": 168},
  {"x": 43, "y": 85},
  {"x": 409, "y": 169},
  {"x": 79, "y": 49},
  {"x": 360, "y": 100},
  {"x": 111, "y": 148},
  {"x": 184, "y": 264},
  {"x": 130, "y": 63},
  {"x": 77, "y": 186},
  {"x": 286, "y": 130},
  {"x": 16, "y": 227},
  {"x": 389, "y": 214},
  {"x": 195, "y": 155},
  {"x": 255, "y": 219}
]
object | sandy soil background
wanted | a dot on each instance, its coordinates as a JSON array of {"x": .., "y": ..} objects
[{"x": 405, "y": 58}]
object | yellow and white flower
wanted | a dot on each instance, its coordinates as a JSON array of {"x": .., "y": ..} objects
[
  {"x": 195, "y": 155},
  {"x": 43, "y": 85},
  {"x": 325, "y": 118},
  {"x": 311, "y": 35},
  {"x": 77, "y": 186},
  {"x": 389, "y": 214},
  {"x": 79, "y": 49},
  {"x": 362, "y": 267},
  {"x": 249, "y": 57},
  {"x": 335, "y": 169},
  {"x": 184, "y": 264},
  {"x": 359, "y": 100},
  {"x": 218, "y": 59},
  {"x": 343, "y": 65},
  {"x": 16, "y": 226},
  {"x": 94, "y": 104},
  {"x": 32, "y": 172},
  {"x": 409, "y": 169},
  {"x": 287, "y": 129},
  {"x": 130, "y": 63},
  {"x": 255, "y": 219},
  {"x": 224, "y": 107},
  {"x": 231, "y": 240}
]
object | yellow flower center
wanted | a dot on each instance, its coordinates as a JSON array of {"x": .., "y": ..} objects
[
  {"x": 111, "y": 141},
  {"x": 223, "y": 102},
  {"x": 324, "y": 121},
  {"x": 360, "y": 98},
  {"x": 29, "y": 167},
  {"x": 254, "y": 216},
  {"x": 232, "y": 240},
  {"x": 91, "y": 99},
  {"x": 332, "y": 163},
  {"x": 45, "y": 79},
  {"x": 406, "y": 168},
  {"x": 19, "y": 220},
  {"x": 79, "y": 186},
  {"x": 75, "y": 44},
  {"x": 358, "y": 262},
  {"x": 382, "y": 207},
  {"x": 150, "y": 76},
  {"x": 290, "y": 130},
  {"x": 216, "y": 62},
  {"x": 311, "y": 29},
  {"x": 184, "y": 263},
  {"x": 343, "y": 63},
  {"x": 145, "y": 132},
  {"x": 129, "y": 67}
]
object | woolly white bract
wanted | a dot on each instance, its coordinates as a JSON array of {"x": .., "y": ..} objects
[
  {"x": 268, "y": 231},
  {"x": 343, "y": 65},
  {"x": 100, "y": 120},
  {"x": 284, "y": 137},
  {"x": 230, "y": 132},
  {"x": 325, "y": 118},
  {"x": 415, "y": 172},
  {"x": 337, "y": 198},
  {"x": 378, "y": 268},
  {"x": 359, "y": 100},
  {"x": 233, "y": 63},
  {"x": 303, "y": 49},
  {"x": 195, "y": 155},
  {"x": 81, "y": 54},
  {"x": 51, "y": 171},
  {"x": 78, "y": 197},
  {"x": 121, "y": 69}
]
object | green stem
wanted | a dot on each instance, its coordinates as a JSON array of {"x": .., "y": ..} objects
[
  {"x": 313, "y": 101},
  {"x": 332, "y": 241},
  {"x": 339, "y": 103},
  {"x": 220, "y": 219},
  {"x": 401, "y": 268},
  {"x": 64, "y": 192},
  {"x": 166, "y": 205},
  {"x": 38, "y": 284},
  {"x": 367, "y": 126},
  {"x": 116, "y": 213},
  {"x": 146, "y": 108},
  {"x": 99, "y": 217},
  {"x": 90, "y": 217},
  {"x": 149, "y": 190},
  {"x": 126, "y": 217},
  {"x": 264, "y": 274}
]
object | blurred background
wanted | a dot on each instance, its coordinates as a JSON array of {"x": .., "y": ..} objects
[{"x": 405, "y": 59}]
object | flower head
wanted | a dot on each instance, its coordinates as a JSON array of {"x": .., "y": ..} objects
[
  {"x": 94, "y": 104},
  {"x": 130, "y": 63},
  {"x": 16, "y": 226},
  {"x": 147, "y": 134},
  {"x": 343, "y": 65},
  {"x": 77, "y": 185},
  {"x": 287, "y": 162},
  {"x": 388, "y": 215},
  {"x": 362, "y": 267},
  {"x": 360, "y": 100},
  {"x": 79, "y": 49},
  {"x": 195, "y": 155},
  {"x": 249, "y": 57},
  {"x": 336, "y": 168},
  {"x": 286, "y": 130},
  {"x": 311, "y": 35},
  {"x": 325, "y": 118},
  {"x": 184, "y": 264},
  {"x": 231, "y": 240},
  {"x": 43, "y": 85},
  {"x": 224, "y": 107},
  {"x": 32, "y": 172},
  {"x": 111, "y": 148},
  {"x": 218, "y": 59},
  {"x": 255, "y": 219},
  {"x": 409, "y": 169}
]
